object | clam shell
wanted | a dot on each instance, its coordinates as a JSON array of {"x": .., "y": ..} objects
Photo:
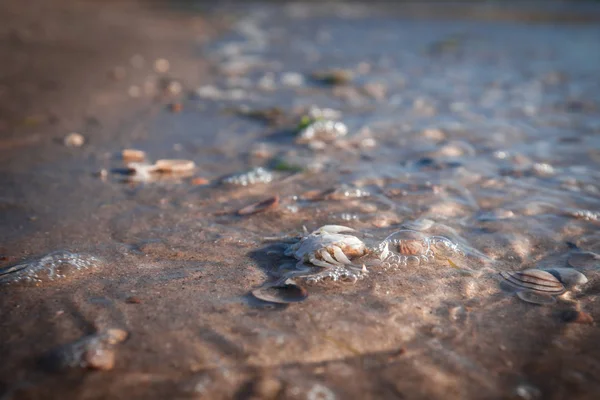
[
  {"x": 536, "y": 298},
  {"x": 569, "y": 277},
  {"x": 264, "y": 205},
  {"x": 285, "y": 294},
  {"x": 534, "y": 280}
]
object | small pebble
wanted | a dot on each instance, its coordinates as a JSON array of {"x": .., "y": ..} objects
[
  {"x": 434, "y": 134},
  {"x": 133, "y": 155},
  {"x": 134, "y": 91},
  {"x": 292, "y": 79},
  {"x": 161, "y": 65},
  {"x": 176, "y": 107},
  {"x": 577, "y": 317},
  {"x": 99, "y": 358},
  {"x": 118, "y": 73},
  {"x": 528, "y": 392},
  {"x": 137, "y": 61},
  {"x": 133, "y": 300},
  {"x": 266, "y": 388},
  {"x": 74, "y": 140},
  {"x": 200, "y": 181}
]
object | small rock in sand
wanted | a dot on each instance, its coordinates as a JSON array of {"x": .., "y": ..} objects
[{"x": 74, "y": 140}]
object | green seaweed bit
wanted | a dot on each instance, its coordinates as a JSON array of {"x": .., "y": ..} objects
[
  {"x": 305, "y": 121},
  {"x": 284, "y": 166}
]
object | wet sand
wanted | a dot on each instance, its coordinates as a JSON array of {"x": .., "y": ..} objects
[{"x": 487, "y": 125}]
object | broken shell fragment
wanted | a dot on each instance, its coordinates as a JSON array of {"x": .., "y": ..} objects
[
  {"x": 285, "y": 294},
  {"x": 174, "y": 166},
  {"x": 569, "y": 277},
  {"x": 133, "y": 155},
  {"x": 534, "y": 280},
  {"x": 261, "y": 206}
]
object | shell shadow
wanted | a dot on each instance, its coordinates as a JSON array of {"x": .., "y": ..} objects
[{"x": 278, "y": 268}]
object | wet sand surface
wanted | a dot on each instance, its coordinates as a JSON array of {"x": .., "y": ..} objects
[{"x": 478, "y": 124}]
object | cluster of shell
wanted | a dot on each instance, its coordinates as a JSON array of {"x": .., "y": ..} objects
[
  {"x": 53, "y": 266},
  {"x": 251, "y": 177},
  {"x": 408, "y": 247},
  {"x": 540, "y": 286},
  {"x": 140, "y": 170}
]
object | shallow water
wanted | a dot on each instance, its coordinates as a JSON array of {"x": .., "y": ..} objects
[{"x": 482, "y": 135}]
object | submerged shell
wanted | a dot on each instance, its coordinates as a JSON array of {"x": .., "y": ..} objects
[
  {"x": 584, "y": 259},
  {"x": 534, "y": 280},
  {"x": 535, "y": 297},
  {"x": 569, "y": 277},
  {"x": 285, "y": 294},
  {"x": 264, "y": 205}
]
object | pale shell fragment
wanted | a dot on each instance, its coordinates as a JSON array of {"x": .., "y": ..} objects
[
  {"x": 534, "y": 280},
  {"x": 174, "y": 166}
]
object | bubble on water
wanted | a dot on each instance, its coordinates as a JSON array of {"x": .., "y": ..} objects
[
  {"x": 254, "y": 176},
  {"x": 53, "y": 266},
  {"x": 404, "y": 247},
  {"x": 408, "y": 247},
  {"x": 443, "y": 248},
  {"x": 337, "y": 274},
  {"x": 585, "y": 215}
]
